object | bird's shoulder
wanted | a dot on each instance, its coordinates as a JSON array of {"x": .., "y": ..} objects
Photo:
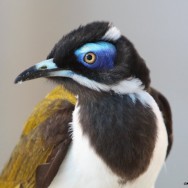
[
  {"x": 43, "y": 143},
  {"x": 165, "y": 109}
]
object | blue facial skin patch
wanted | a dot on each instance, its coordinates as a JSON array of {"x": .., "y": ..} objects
[{"x": 105, "y": 54}]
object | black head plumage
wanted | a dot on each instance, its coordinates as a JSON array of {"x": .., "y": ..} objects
[{"x": 127, "y": 64}]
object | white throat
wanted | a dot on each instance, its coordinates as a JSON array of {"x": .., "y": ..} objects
[{"x": 130, "y": 85}]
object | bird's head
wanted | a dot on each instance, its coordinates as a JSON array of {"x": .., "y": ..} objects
[{"x": 93, "y": 57}]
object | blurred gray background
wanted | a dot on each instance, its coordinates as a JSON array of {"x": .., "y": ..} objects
[{"x": 159, "y": 30}]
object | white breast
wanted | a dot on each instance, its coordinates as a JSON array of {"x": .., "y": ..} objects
[{"x": 82, "y": 167}]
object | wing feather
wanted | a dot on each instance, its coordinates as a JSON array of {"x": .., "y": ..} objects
[
  {"x": 44, "y": 140},
  {"x": 164, "y": 106}
]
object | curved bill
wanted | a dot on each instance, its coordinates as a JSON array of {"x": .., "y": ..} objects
[{"x": 42, "y": 69}]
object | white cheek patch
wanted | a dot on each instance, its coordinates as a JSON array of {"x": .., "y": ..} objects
[
  {"x": 113, "y": 34},
  {"x": 123, "y": 87},
  {"x": 61, "y": 73}
]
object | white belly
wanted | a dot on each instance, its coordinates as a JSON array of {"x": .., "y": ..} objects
[{"x": 82, "y": 168}]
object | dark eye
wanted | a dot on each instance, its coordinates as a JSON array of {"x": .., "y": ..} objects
[{"x": 90, "y": 58}]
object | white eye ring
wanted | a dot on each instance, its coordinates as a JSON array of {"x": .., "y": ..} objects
[{"x": 90, "y": 57}]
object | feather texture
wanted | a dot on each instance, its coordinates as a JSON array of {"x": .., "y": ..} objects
[{"x": 38, "y": 143}]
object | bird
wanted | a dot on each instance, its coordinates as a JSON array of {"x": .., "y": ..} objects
[{"x": 103, "y": 126}]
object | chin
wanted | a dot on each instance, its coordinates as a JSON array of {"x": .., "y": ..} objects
[{"x": 74, "y": 87}]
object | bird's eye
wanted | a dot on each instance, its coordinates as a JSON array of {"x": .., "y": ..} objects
[
  {"x": 97, "y": 56},
  {"x": 90, "y": 58}
]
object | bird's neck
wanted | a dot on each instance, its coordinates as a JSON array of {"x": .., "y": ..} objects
[{"x": 118, "y": 126}]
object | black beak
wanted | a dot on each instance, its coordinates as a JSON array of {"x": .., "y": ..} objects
[{"x": 42, "y": 69}]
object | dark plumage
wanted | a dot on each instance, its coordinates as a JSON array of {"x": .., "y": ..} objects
[
  {"x": 117, "y": 110},
  {"x": 128, "y": 62}
]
